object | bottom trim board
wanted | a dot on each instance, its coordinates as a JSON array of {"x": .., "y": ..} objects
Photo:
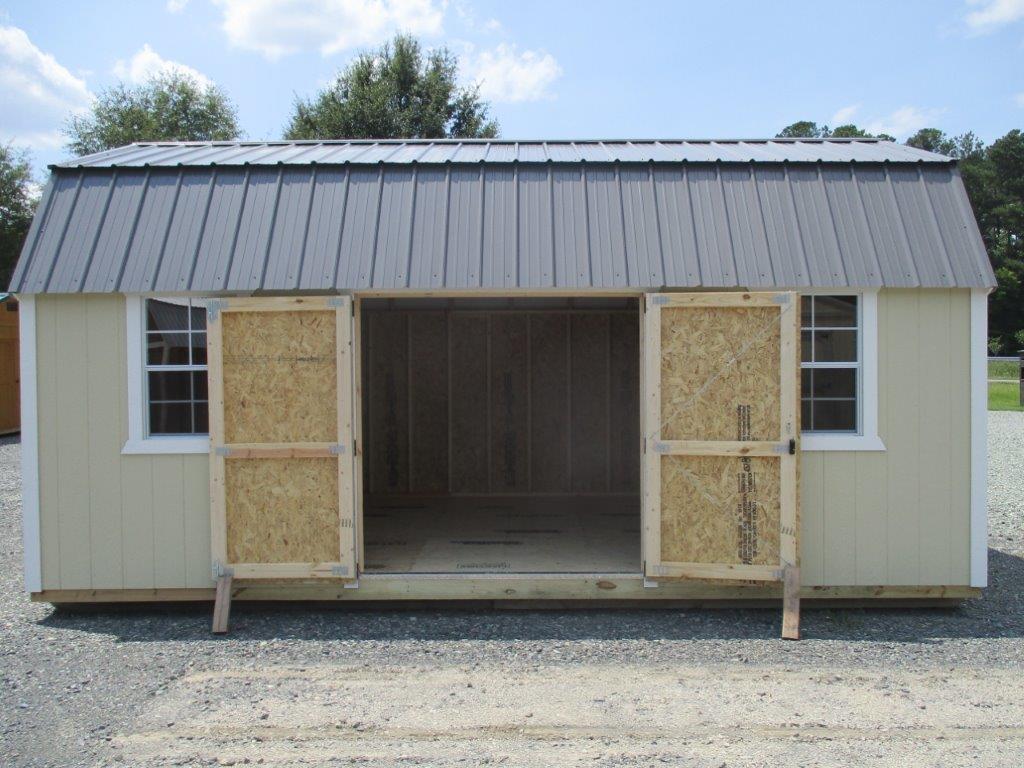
[{"x": 606, "y": 590}]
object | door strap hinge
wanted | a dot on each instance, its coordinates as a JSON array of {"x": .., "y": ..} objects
[
  {"x": 219, "y": 569},
  {"x": 337, "y": 449},
  {"x": 213, "y": 308},
  {"x": 660, "y": 447},
  {"x": 339, "y": 570},
  {"x": 659, "y": 299},
  {"x": 336, "y": 301}
]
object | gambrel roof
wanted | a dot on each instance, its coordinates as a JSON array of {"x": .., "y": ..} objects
[{"x": 496, "y": 214}]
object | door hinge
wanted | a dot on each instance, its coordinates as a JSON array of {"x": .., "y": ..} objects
[
  {"x": 339, "y": 570},
  {"x": 213, "y": 308},
  {"x": 219, "y": 569}
]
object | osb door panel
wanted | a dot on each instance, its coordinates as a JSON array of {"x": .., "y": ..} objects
[
  {"x": 281, "y": 430},
  {"x": 720, "y": 412}
]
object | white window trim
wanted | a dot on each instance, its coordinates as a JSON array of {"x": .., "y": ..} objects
[
  {"x": 138, "y": 441},
  {"x": 867, "y": 438}
]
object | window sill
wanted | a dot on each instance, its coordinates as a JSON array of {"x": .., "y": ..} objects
[
  {"x": 813, "y": 442},
  {"x": 166, "y": 446}
]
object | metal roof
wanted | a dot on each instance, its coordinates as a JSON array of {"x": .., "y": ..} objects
[
  {"x": 429, "y": 151},
  {"x": 500, "y": 225}
]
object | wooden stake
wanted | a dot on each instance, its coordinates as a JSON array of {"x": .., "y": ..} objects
[
  {"x": 222, "y": 605},
  {"x": 791, "y": 603}
]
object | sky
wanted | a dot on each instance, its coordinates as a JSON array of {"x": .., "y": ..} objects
[{"x": 552, "y": 69}]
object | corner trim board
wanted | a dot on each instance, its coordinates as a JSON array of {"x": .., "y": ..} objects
[
  {"x": 30, "y": 446},
  {"x": 979, "y": 437}
]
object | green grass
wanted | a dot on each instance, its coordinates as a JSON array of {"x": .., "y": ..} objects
[
  {"x": 1003, "y": 369},
  {"x": 1004, "y": 396}
]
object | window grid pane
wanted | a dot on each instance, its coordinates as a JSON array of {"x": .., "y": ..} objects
[
  {"x": 830, "y": 376},
  {"x": 175, "y": 381}
]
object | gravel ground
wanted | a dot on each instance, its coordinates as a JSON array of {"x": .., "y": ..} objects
[{"x": 308, "y": 686}]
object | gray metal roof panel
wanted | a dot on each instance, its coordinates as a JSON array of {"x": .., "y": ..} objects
[
  {"x": 641, "y": 237},
  {"x": 534, "y": 244},
  {"x": 287, "y": 242},
  {"x": 503, "y": 151},
  {"x": 184, "y": 232},
  {"x": 323, "y": 239},
  {"x": 148, "y": 246},
  {"x": 463, "y": 261},
  {"x": 569, "y": 224},
  {"x": 527, "y": 225},
  {"x": 360, "y": 228}
]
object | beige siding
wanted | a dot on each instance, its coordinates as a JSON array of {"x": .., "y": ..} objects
[
  {"x": 108, "y": 521},
  {"x": 901, "y": 516},
  {"x": 898, "y": 517}
]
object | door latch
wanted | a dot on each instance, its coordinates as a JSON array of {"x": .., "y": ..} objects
[{"x": 792, "y": 446}]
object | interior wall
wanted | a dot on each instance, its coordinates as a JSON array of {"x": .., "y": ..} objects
[{"x": 502, "y": 401}]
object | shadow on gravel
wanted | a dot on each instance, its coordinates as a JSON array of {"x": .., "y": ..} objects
[{"x": 999, "y": 614}]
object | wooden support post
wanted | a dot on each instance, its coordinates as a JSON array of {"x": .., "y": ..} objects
[
  {"x": 222, "y": 604},
  {"x": 791, "y": 602}
]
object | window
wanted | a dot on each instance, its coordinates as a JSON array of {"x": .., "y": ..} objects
[
  {"x": 167, "y": 393},
  {"x": 830, "y": 362},
  {"x": 176, "y": 367}
]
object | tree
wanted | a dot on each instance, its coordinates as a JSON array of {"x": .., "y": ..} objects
[
  {"x": 169, "y": 107},
  {"x": 994, "y": 179},
  {"x": 806, "y": 129},
  {"x": 1003, "y": 232},
  {"x": 394, "y": 93},
  {"x": 803, "y": 129},
  {"x": 17, "y": 204},
  {"x": 966, "y": 146}
]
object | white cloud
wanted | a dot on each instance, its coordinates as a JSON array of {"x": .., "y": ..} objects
[
  {"x": 904, "y": 121},
  {"x": 505, "y": 74},
  {"x": 147, "y": 63},
  {"x": 176, "y": 6},
  {"x": 844, "y": 115},
  {"x": 38, "y": 93},
  {"x": 989, "y": 15},
  {"x": 276, "y": 28}
]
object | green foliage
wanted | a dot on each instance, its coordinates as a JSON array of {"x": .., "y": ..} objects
[
  {"x": 395, "y": 92},
  {"x": 1004, "y": 396},
  {"x": 17, "y": 205},
  {"x": 169, "y": 107},
  {"x": 805, "y": 129}
]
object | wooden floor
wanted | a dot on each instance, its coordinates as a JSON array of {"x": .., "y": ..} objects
[{"x": 503, "y": 534}]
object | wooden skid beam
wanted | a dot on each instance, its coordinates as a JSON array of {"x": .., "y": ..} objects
[
  {"x": 504, "y": 586},
  {"x": 222, "y": 605},
  {"x": 791, "y": 603}
]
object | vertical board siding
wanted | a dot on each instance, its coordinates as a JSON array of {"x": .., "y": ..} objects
[
  {"x": 901, "y": 516},
  {"x": 108, "y": 521},
  {"x": 897, "y": 517},
  {"x": 541, "y": 401}
]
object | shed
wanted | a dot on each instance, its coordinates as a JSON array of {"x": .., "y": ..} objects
[
  {"x": 10, "y": 411},
  {"x": 365, "y": 370}
]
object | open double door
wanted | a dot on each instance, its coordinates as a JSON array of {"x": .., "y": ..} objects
[{"x": 720, "y": 426}]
